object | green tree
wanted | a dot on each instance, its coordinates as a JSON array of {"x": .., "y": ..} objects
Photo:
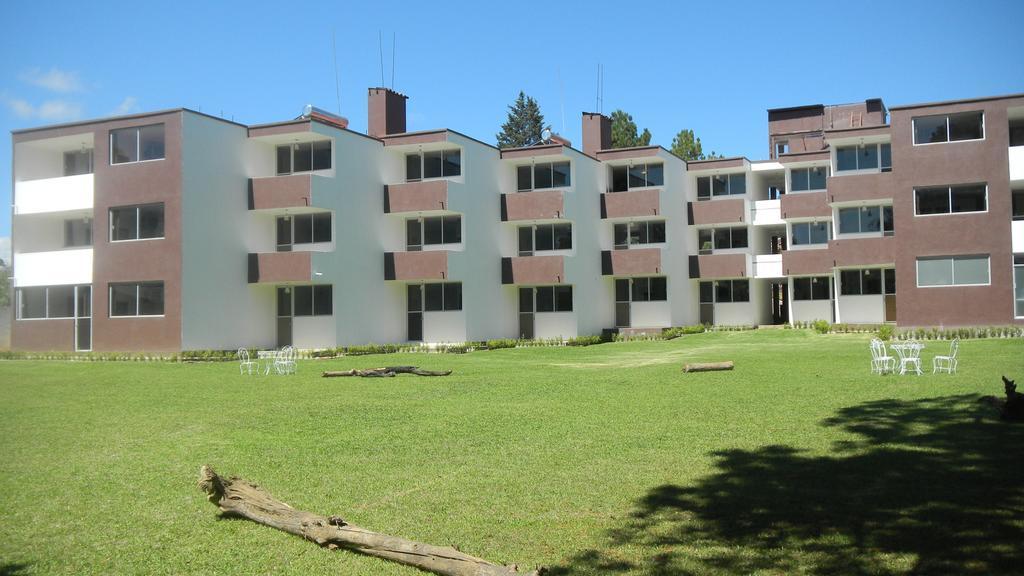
[
  {"x": 688, "y": 147},
  {"x": 624, "y": 132},
  {"x": 524, "y": 126}
]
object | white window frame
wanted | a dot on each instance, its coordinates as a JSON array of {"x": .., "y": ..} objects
[
  {"x": 138, "y": 144},
  {"x": 728, "y": 186},
  {"x": 835, "y": 171},
  {"x": 913, "y": 128},
  {"x": 646, "y": 169},
  {"x": 533, "y": 176},
  {"x": 110, "y": 299},
  {"x": 789, "y": 179},
  {"x": 138, "y": 223},
  {"x": 790, "y": 245},
  {"x": 917, "y": 270},
  {"x": 632, "y": 280},
  {"x": 424, "y": 245},
  {"x": 812, "y": 279},
  {"x": 629, "y": 237},
  {"x": 553, "y": 287},
  {"x": 837, "y": 234},
  {"x": 949, "y": 195},
  {"x": 421, "y": 153}
]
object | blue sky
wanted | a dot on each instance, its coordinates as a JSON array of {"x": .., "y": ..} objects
[{"x": 711, "y": 66}]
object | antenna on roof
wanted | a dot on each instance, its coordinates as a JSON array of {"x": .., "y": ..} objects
[
  {"x": 561, "y": 95},
  {"x": 337, "y": 84},
  {"x": 380, "y": 47},
  {"x": 394, "y": 42},
  {"x": 600, "y": 87}
]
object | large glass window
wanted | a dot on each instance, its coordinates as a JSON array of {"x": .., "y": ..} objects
[
  {"x": 544, "y": 237},
  {"x": 78, "y": 162},
  {"x": 864, "y": 219},
  {"x": 543, "y": 176},
  {"x": 1018, "y": 285},
  {"x": 807, "y": 179},
  {"x": 39, "y": 302},
  {"x": 431, "y": 231},
  {"x": 635, "y": 233},
  {"x": 722, "y": 238},
  {"x": 805, "y": 233},
  {"x": 814, "y": 288},
  {"x": 31, "y": 303},
  {"x": 731, "y": 291},
  {"x": 303, "y": 229},
  {"x": 951, "y": 199},
  {"x": 864, "y": 157},
  {"x": 312, "y": 300},
  {"x": 137, "y": 144},
  {"x": 551, "y": 299},
  {"x": 721, "y": 185},
  {"x": 652, "y": 289},
  {"x": 304, "y": 157},
  {"x": 77, "y": 232},
  {"x": 1018, "y": 205},
  {"x": 860, "y": 282},
  {"x": 952, "y": 271},
  {"x": 142, "y": 222},
  {"x": 637, "y": 176},
  {"x": 949, "y": 127},
  {"x": 433, "y": 164},
  {"x": 136, "y": 299},
  {"x": 437, "y": 296}
]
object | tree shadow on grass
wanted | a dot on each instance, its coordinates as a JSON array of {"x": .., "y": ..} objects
[
  {"x": 13, "y": 568},
  {"x": 933, "y": 486}
]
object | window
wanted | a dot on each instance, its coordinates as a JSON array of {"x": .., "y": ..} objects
[
  {"x": 77, "y": 232},
  {"x": 861, "y": 282},
  {"x": 1018, "y": 204},
  {"x": 78, "y": 162},
  {"x": 304, "y": 157},
  {"x": 949, "y": 128},
  {"x": 137, "y": 299},
  {"x": 952, "y": 271},
  {"x": 433, "y": 164},
  {"x": 39, "y": 302},
  {"x": 308, "y": 300},
  {"x": 951, "y": 199},
  {"x": 814, "y": 288},
  {"x": 303, "y": 229},
  {"x": 436, "y": 297},
  {"x": 544, "y": 237},
  {"x": 710, "y": 239},
  {"x": 549, "y": 299},
  {"x": 137, "y": 144},
  {"x": 806, "y": 233},
  {"x": 1017, "y": 132},
  {"x": 866, "y": 157},
  {"x": 637, "y": 176},
  {"x": 722, "y": 185},
  {"x": 542, "y": 176},
  {"x": 431, "y": 231},
  {"x": 727, "y": 291},
  {"x": 653, "y": 289},
  {"x": 1018, "y": 285},
  {"x": 865, "y": 219},
  {"x": 805, "y": 179},
  {"x": 142, "y": 222},
  {"x": 644, "y": 232},
  {"x": 781, "y": 148},
  {"x": 707, "y": 292}
]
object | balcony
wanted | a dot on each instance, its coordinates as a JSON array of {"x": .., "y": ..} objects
[
  {"x": 631, "y": 204},
  {"x": 275, "y": 192},
  {"x": 635, "y": 262},
  {"x": 533, "y": 270},
  {"x": 720, "y": 266},
  {"x": 416, "y": 196},
  {"x": 726, "y": 211},
  {"x": 806, "y": 262},
  {"x": 410, "y": 266},
  {"x": 277, "y": 267},
  {"x": 1017, "y": 236},
  {"x": 1016, "y": 163},
  {"x": 856, "y": 187},
  {"x": 767, "y": 213},
  {"x": 54, "y": 194},
  {"x": 546, "y": 205},
  {"x": 768, "y": 266},
  {"x": 863, "y": 251},
  {"x": 805, "y": 205},
  {"x": 53, "y": 268}
]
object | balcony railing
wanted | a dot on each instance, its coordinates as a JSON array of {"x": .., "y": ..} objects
[
  {"x": 416, "y": 196},
  {"x": 631, "y": 204},
  {"x": 724, "y": 211},
  {"x": 546, "y": 205},
  {"x": 720, "y": 266},
  {"x": 53, "y": 268},
  {"x": 533, "y": 270},
  {"x": 428, "y": 265},
  {"x": 276, "y": 267},
  {"x": 54, "y": 194},
  {"x": 293, "y": 191},
  {"x": 634, "y": 262}
]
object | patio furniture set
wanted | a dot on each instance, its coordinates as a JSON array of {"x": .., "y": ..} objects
[
  {"x": 907, "y": 358},
  {"x": 280, "y": 361}
]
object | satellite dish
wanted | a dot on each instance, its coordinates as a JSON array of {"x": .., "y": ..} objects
[{"x": 545, "y": 134}]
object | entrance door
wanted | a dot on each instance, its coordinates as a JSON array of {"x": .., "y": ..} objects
[
  {"x": 622, "y": 303},
  {"x": 284, "y": 316},
  {"x": 83, "y": 318},
  {"x": 707, "y": 303},
  {"x": 889, "y": 283},
  {"x": 780, "y": 303},
  {"x": 526, "y": 313},
  {"x": 414, "y": 305}
]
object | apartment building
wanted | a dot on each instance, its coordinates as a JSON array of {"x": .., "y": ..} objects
[{"x": 176, "y": 230}]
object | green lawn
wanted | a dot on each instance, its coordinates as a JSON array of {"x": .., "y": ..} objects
[{"x": 597, "y": 460}]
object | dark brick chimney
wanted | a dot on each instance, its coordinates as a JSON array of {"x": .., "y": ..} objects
[
  {"x": 386, "y": 112},
  {"x": 597, "y": 132}
]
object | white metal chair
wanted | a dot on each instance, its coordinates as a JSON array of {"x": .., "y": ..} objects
[
  {"x": 245, "y": 364},
  {"x": 910, "y": 356},
  {"x": 284, "y": 362},
  {"x": 947, "y": 364},
  {"x": 881, "y": 362}
]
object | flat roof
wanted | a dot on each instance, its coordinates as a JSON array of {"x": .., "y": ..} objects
[
  {"x": 103, "y": 119},
  {"x": 962, "y": 101}
]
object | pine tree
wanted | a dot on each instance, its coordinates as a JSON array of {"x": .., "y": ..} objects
[
  {"x": 688, "y": 147},
  {"x": 624, "y": 132},
  {"x": 524, "y": 126}
]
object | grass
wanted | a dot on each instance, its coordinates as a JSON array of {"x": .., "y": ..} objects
[{"x": 595, "y": 460}]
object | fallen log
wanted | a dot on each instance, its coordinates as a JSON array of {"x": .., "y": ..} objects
[
  {"x": 708, "y": 366},
  {"x": 237, "y": 497},
  {"x": 386, "y": 372}
]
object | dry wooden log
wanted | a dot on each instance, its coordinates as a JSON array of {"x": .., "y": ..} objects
[
  {"x": 237, "y": 497},
  {"x": 386, "y": 372},
  {"x": 708, "y": 366}
]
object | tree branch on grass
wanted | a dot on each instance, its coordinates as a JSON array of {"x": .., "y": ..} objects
[{"x": 387, "y": 372}]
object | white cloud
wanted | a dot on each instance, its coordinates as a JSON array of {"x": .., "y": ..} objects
[
  {"x": 52, "y": 110},
  {"x": 20, "y": 108},
  {"x": 5, "y": 249},
  {"x": 55, "y": 80},
  {"x": 127, "y": 106}
]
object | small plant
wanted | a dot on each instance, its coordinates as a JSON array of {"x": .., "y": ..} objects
[
  {"x": 885, "y": 332},
  {"x": 821, "y": 326}
]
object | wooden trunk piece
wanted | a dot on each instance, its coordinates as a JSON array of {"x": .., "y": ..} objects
[
  {"x": 386, "y": 372},
  {"x": 708, "y": 366},
  {"x": 236, "y": 497}
]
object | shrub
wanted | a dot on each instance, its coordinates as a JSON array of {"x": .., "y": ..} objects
[
  {"x": 885, "y": 332},
  {"x": 821, "y": 326}
]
